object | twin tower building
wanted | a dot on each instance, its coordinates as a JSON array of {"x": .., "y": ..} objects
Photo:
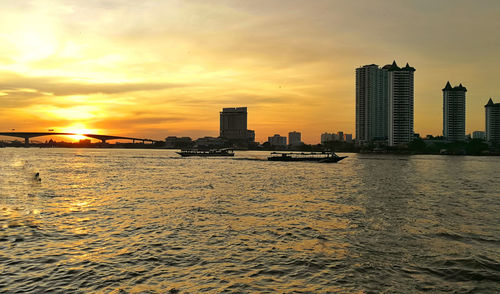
[{"x": 385, "y": 106}]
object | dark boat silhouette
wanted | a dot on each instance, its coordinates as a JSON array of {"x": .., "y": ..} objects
[
  {"x": 325, "y": 157},
  {"x": 206, "y": 153}
]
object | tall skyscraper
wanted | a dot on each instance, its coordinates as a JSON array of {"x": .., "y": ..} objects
[
  {"x": 371, "y": 104},
  {"x": 492, "y": 111},
  {"x": 400, "y": 103},
  {"x": 454, "y": 112},
  {"x": 294, "y": 138},
  {"x": 233, "y": 123}
]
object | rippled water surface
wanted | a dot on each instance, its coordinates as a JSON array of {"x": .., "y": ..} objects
[{"x": 130, "y": 221}]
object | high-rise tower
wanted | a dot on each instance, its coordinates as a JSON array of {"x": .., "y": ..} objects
[
  {"x": 454, "y": 112},
  {"x": 492, "y": 111},
  {"x": 400, "y": 103},
  {"x": 371, "y": 104}
]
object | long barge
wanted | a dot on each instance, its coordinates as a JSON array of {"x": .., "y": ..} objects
[
  {"x": 206, "y": 153},
  {"x": 326, "y": 157}
]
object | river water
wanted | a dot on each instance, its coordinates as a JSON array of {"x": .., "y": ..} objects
[{"x": 148, "y": 221}]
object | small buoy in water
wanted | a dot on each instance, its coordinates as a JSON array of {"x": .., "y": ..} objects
[{"x": 37, "y": 177}]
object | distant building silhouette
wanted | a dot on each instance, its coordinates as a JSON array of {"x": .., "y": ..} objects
[
  {"x": 492, "y": 111},
  {"x": 251, "y": 135},
  {"x": 454, "y": 112},
  {"x": 401, "y": 96},
  {"x": 294, "y": 138},
  {"x": 208, "y": 142},
  {"x": 371, "y": 104},
  {"x": 339, "y": 136},
  {"x": 178, "y": 142},
  {"x": 277, "y": 140},
  {"x": 328, "y": 137},
  {"x": 233, "y": 124},
  {"x": 84, "y": 142}
]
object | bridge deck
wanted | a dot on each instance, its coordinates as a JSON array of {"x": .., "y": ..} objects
[{"x": 27, "y": 135}]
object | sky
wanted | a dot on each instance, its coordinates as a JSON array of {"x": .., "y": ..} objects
[{"x": 153, "y": 69}]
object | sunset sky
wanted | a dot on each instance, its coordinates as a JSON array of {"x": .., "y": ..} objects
[{"x": 161, "y": 68}]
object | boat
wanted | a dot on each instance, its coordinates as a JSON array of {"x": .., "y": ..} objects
[
  {"x": 206, "y": 153},
  {"x": 305, "y": 156}
]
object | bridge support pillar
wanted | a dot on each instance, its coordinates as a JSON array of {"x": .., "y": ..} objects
[
  {"x": 26, "y": 141},
  {"x": 103, "y": 141}
]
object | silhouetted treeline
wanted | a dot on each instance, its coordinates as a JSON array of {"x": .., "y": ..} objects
[
  {"x": 438, "y": 146},
  {"x": 418, "y": 146}
]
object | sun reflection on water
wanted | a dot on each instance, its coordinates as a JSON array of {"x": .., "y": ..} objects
[{"x": 135, "y": 220}]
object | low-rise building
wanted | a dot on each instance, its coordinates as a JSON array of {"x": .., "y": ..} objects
[
  {"x": 251, "y": 135},
  {"x": 209, "y": 142},
  {"x": 277, "y": 140},
  {"x": 178, "y": 142},
  {"x": 340, "y": 136},
  {"x": 328, "y": 137},
  {"x": 478, "y": 135}
]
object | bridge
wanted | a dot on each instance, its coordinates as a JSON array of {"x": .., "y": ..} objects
[{"x": 27, "y": 135}]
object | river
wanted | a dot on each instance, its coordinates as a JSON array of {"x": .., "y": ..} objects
[{"x": 149, "y": 221}]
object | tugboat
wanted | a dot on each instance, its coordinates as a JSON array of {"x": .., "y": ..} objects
[
  {"x": 206, "y": 153},
  {"x": 326, "y": 157}
]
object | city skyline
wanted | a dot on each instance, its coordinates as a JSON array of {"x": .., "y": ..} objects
[{"x": 173, "y": 65}]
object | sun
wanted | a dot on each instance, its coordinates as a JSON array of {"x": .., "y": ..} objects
[{"x": 79, "y": 129}]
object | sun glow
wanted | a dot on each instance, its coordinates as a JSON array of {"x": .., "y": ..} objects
[
  {"x": 33, "y": 45},
  {"x": 79, "y": 130}
]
